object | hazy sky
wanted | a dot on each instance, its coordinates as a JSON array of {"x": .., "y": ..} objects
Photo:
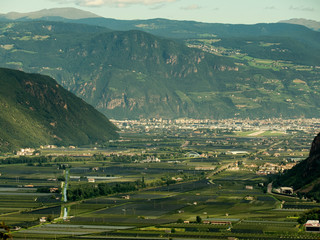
[{"x": 222, "y": 11}]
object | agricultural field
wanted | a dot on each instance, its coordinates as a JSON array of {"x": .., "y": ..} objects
[
  {"x": 156, "y": 184},
  {"x": 245, "y": 58}
]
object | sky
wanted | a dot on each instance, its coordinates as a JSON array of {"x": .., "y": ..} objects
[{"x": 214, "y": 11}]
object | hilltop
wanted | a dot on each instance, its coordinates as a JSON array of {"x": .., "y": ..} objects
[
  {"x": 314, "y": 25},
  {"x": 55, "y": 13},
  {"x": 36, "y": 110}
]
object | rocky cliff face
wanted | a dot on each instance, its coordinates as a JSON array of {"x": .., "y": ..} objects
[
  {"x": 315, "y": 146},
  {"x": 305, "y": 176},
  {"x": 135, "y": 75},
  {"x": 312, "y": 163}
]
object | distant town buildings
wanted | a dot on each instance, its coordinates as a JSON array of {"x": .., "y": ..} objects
[
  {"x": 26, "y": 152},
  {"x": 274, "y": 168},
  {"x": 258, "y": 126},
  {"x": 237, "y": 152},
  {"x": 151, "y": 159}
]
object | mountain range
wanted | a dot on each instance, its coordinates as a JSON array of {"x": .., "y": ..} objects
[
  {"x": 36, "y": 110},
  {"x": 314, "y": 25},
  {"x": 172, "y": 69},
  {"x": 68, "y": 13}
]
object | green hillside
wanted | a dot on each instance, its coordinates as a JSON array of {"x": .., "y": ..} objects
[
  {"x": 297, "y": 43},
  {"x": 36, "y": 110},
  {"x": 305, "y": 176},
  {"x": 133, "y": 74}
]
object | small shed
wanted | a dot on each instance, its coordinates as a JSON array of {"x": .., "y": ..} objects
[
  {"x": 312, "y": 226},
  {"x": 91, "y": 180}
]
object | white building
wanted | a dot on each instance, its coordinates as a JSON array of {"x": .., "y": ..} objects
[{"x": 312, "y": 226}]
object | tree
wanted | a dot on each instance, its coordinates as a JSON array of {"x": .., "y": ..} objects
[
  {"x": 313, "y": 214},
  {"x": 179, "y": 220},
  {"x": 50, "y": 218},
  {"x": 61, "y": 178},
  {"x": 5, "y": 235},
  {"x": 198, "y": 219}
]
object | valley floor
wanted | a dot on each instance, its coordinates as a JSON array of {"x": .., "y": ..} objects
[{"x": 157, "y": 184}]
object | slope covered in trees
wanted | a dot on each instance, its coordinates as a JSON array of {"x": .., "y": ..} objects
[
  {"x": 36, "y": 110},
  {"x": 305, "y": 176},
  {"x": 133, "y": 74}
]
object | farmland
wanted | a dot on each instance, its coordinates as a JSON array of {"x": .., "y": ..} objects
[{"x": 157, "y": 183}]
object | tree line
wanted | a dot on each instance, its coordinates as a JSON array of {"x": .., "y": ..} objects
[{"x": 85, "y": 191}]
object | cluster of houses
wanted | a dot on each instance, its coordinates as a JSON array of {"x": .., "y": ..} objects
[
  {"x": 272, "y": 168},
  {"x": 26, "y": 152},
  {"x": 150, "y": 159},
  {"x": 212, "y": 222}
]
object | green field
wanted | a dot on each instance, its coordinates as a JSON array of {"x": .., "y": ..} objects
[{"x": 174, "y": 192}]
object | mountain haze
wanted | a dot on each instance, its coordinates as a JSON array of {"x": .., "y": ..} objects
[
  {"x": 36, "y": 110},
  {"x": 314, "y": 25},
  {"x": 67, "y": 13},
  {"x": 256, "y": 71}
]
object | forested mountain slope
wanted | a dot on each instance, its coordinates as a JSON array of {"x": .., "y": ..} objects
[
  {"x": 305, "y": 176},
  {"x": 133, "y": 74},
  {"x": 36, "y": 110}
]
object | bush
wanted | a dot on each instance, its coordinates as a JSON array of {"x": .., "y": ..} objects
[
  {"x": 179, "y": 220},
  {"x": 313, "y": 214}
]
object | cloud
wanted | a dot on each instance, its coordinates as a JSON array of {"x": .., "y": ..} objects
[
  {"x": 92, "y": 3},
  {"x": 114, "y": 3},
  {"x": 301, "y": 8},
  {"x": 191, "y": 7},
  {"x": 270, "y": 8},
  {"x": 156, "y": 7}
]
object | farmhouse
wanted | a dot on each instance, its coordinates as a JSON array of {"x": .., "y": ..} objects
[
  {"x": 286, "y": 190},
  {"x": 193, "y": 155},
  {"x": 126, "y": 197},
  {"x": 312, "y": 226},
  {"x": 237, "y": 152},
  {"x": 221, "y": 222},
  {"x": 204, "y": 168},
  {"x": 54, "y": 189},
  {"x": 217, "y": 222},
  {"x": 91, "y": 180}
]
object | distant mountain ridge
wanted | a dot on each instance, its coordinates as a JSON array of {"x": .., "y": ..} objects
[
  {"x": 134, "y": 74},
  {"x": 67, "y": 13},
  {"x": 36, "y": 110},
  {"x": 158, "y": 26},
  {"x": 314, "y": 25}
]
